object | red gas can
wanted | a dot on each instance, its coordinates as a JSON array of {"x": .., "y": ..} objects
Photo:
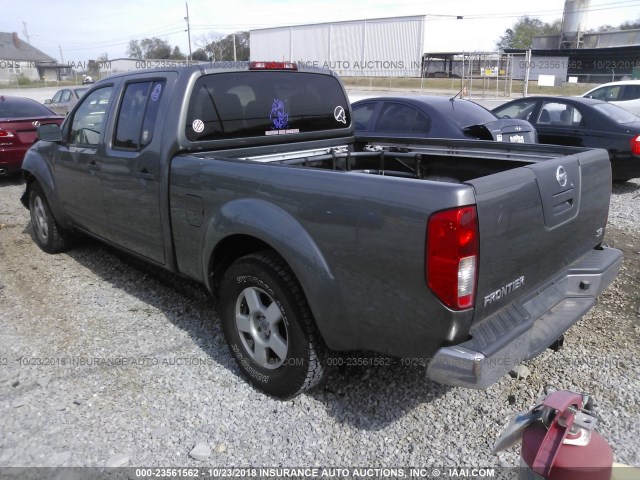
[{"x": 564, "y": 446}]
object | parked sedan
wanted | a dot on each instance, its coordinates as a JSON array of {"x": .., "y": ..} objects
[
  {"x": 19, "y": 121},
  {"x": 64, "y": 100},
  {"x": 427, "y": 116},
  {"x": 624, "y": 93},
  {"x": 583, "y": 122}
]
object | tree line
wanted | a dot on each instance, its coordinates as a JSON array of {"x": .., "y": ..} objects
[{"x": 212, "y": 46}]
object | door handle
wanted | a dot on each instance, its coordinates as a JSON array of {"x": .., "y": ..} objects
[{"x": 144, "y": 174}]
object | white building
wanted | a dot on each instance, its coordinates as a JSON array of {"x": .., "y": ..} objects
[{"x": 380, "y": 47}]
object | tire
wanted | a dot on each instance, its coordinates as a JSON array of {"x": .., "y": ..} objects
[
  {"x": 45, "y": 231},
  {"x": 269, "y": 327}
]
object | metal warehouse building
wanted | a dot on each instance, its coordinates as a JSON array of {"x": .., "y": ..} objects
[{"x": 389, "y": 47}]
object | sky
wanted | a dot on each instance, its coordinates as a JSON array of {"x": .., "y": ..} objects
[{"x": 74, "y": 31}]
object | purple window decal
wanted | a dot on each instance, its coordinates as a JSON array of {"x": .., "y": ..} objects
[{"x": 278, "y": 116}]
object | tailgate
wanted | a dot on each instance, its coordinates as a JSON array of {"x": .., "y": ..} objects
[{"x": 535, "y": 221}]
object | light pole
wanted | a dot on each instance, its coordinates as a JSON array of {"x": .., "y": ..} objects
[{"x": 188, "y": 30}]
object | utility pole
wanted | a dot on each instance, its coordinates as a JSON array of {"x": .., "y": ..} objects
[
  {"x": 188, "y": 30},
  {"x": 61, "y": 58},
  {"x": 234, "y": 46},
  {"x": 25, "y": 32}
]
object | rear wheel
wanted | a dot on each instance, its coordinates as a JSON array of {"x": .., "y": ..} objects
[
  {"x": 269, "y": 328},
  {"x": 45, "y": 231}
]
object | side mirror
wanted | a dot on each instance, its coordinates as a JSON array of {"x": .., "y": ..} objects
[
  {"x": 47, "y": 101},
  {"x": 50, "y": 132}
]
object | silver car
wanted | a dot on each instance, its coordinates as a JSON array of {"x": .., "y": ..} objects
[{"x": 64, "y": 100}]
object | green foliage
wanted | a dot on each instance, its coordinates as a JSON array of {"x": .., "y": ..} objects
[
  {"x": 176, "y": 54},
  {"x": 523, "y": 31},
  {"x": 215, "y": 46},
  {"x": 200, "y": 55},
  {"x": 22, "y": 80},
  {"x": 628, "y": 25},
  {"x": 153, "y": 48},
  {"x": 134, "y": 50}
]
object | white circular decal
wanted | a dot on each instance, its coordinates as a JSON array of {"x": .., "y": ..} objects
[
  {"x": 198, "y": 126},
  {"x": 339, "y": 115},
  {"x": 157, "y": 90}
]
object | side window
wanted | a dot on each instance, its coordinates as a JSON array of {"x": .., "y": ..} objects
[
  {"x": 608, "y": 93},
  {"x": 599, "y": 94},
  {"x": 137, "y": 114},
  {"x": 631, "y": 92},
  {"x": 559, "y": 114},
  {"x": 395, "y": 117},
  {"x": 421, "y": 124},
  {"x": 362, "y": 115},
  {"x": 87, "y": 123},
  {"x": 56, "y": 97},
  {"x": 66, "y": 96},
  {"x": 614, "y": 93}
]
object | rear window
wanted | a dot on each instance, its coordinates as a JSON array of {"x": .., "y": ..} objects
[
  {"x": 252, "y": 104},
  {"x": 465, "y": 113},
  {"x": 616, "y": 113},
  {"x": 22, "y": 108}
]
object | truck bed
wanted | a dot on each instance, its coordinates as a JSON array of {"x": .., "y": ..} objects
[{"x": 441, "y": 160}]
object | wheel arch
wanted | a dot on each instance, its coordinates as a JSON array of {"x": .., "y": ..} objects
[
  {"x": 247, "y": 226},
  {"x": 35, "y": 168}
]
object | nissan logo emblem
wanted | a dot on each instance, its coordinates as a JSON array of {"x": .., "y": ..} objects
[{"x": 561, "y": 176}]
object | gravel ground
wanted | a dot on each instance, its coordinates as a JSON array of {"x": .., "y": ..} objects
[{"x": 104, "y": 361}]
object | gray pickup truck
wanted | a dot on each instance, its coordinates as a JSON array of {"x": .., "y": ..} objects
[{"x": 467, "y": 256}]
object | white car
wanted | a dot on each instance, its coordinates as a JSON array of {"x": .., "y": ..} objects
[{"x": 625, "y": 93}]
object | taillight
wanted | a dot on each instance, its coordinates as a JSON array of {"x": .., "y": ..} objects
[
  {"x": 452, "y": 256},
  {"x": 635, "y": 145},
  {"x": 6, "y": 137},
  {"x": 272, "y": 66}
]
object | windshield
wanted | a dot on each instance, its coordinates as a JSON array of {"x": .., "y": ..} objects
[
  {"x": 616, "y": 113},
  {"x": 253, "y": 103}
]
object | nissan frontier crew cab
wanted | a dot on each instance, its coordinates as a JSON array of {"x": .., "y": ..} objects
[{"x": 470, "y": 255}]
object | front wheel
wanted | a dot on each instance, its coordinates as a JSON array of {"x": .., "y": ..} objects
[
  {"x": 46, "y": 232},
  {"x": 269, "y": 328}
]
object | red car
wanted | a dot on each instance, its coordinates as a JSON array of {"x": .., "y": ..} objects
[{"x": 19, "y": 121}]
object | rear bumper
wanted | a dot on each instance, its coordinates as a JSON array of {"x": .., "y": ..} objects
[
  {"x": 524, "y": 330},
  {"x": 11, "y": 158},
  {"x": 625, "y": 168}
]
